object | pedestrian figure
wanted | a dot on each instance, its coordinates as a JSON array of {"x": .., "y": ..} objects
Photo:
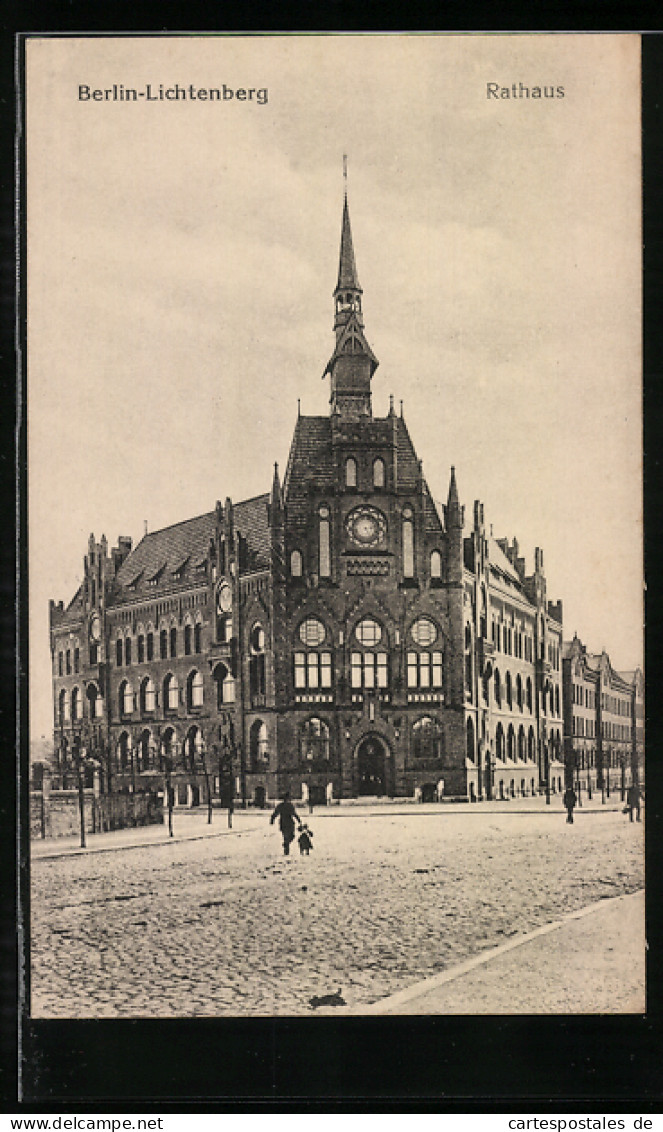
[
  {"x": 287, "y": 815},
  {"x": 570, "y": 800},
  {"x": 305, "y": 840},
  {"x": 633, "y": 800}
]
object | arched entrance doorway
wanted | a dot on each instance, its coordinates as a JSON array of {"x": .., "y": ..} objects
[{"x": 371, "y": 767}]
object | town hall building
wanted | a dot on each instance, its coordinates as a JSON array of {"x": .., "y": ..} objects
[{"x": 337, "y": 636}]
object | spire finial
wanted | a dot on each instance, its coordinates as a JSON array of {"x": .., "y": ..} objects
[{"x": 345, "y": 176}]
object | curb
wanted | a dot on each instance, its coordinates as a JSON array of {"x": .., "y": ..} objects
[
  {"x": 417, "y": 990},
  {"x": 78, "y": 852}
]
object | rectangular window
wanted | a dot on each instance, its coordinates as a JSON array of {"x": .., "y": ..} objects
[
  {"x": 383, "y": 670},
  {"x": 312, "y": 670},
  {"x": 437, "y": 669},
  {"x": 300, "y": 670},
  {"x": 408, "y": 549},
  {"x": 369, "y": 670},
  {"x": 325, "y": 670},
  {"x": 424, "y": 670},
  {"x": 355, "y": 670},
  {"x": 325, "y": 549},
  {"x": 412, "y": 670}
]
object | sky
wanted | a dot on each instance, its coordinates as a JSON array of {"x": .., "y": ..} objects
[{"x": 182, "y": 257}]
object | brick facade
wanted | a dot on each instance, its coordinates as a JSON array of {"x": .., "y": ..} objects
[{"x": 338, "y": 634}]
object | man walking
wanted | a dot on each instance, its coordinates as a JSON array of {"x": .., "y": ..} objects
[
  {"x": 287, "y": 815},
  {"x": 569, "y": 800}
]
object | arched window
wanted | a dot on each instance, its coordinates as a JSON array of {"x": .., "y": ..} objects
[
  {"x": 75, "y": 703},
  {"x": 369, "y": 669},
  {"x": 408, "y": 543},
  {"x": 556, "y": 699},
  {"x": 119, "y": 652},
  {"x": 163, "y": 644},
  {"x": 312, "y": 669},
  {"x": 427, "y": 739},
  {"x": 470, "y": 748},
  {"x": 498, "y": 688},
  {"x": 68, "y": 662},
  {"x": 188, "y": 638},
  {"x": 145, "y": 751},
  {"x": 123, "y": 750},
  {"x": 126, "y": 698},
  {"x": 483, "y": 618},
  {"x": 148, "y": 695},
  {"x": 63, "y": 707},
  {"x": 198, "y": 637},
  {"x": 150, "y": 643},
  {"x": 194, "y": 690},
  {"x": 170, "y": 692},
  {"x": 485, "y": 686},
  {"x": 258, "y": 742},
  {"x": 140, "y": 648},
  {"x": 94, "y": 701},
  {"x": 77, "y": 658},
  {"x": 193, "y": 746},
  {"x": 522, "y": 753},
  {"x": 499, "y": 742},
  {"x": 528, "y": 695},
  {"x": 519, "y": 691},
  {"x": 127, "y": 650},
  {"x": 509, "y": 690},
  {"x": 350, "y": 472},
  {"x": 378, "y": 473},
  {"x": 436, "y": 565},
  {"x": 531, "y": 745},
  {"x": 314, "y": 740},
  {"x": 60, "y": 663},
  {"x": 296, "y": 564},
  {"x": 510, "y": 743},
  {"x": 225, "y": 686},
  {"x": 257, "y": 677},
  {"x": 168, "y": 742},
  {"x": 173, "y": 641},
  {"x": 324, "y": 543}
]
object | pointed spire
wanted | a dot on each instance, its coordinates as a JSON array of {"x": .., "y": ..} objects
[
  {"x": 276, "y": 488},
  {"x": 454, "y": 514},
  {"x": 347, "y": 268},
  {"x": 453, "y": 500}
]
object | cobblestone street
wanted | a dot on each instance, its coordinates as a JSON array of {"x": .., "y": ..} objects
[{"x": 227, "y": 925}]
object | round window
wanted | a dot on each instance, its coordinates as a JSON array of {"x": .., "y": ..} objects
[
  {"x": 424, "y": 632},
  {"x": 368, "y": 632},
  {"x": 312, "y": 632}
]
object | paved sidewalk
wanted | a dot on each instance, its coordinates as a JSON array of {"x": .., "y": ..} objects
[
  {"x": 590, "y": 962},
  {"x": 192, "y": 826},
  {"x": 187, "y": 826}
]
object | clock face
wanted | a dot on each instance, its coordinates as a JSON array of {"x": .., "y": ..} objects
[
  {"x": 95, "y": 629},
  {"x": 366, "y": 526},
  {"x": 224, "y": 599}
]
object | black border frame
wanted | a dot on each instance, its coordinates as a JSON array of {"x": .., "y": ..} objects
[{"x": 558, "y": 1064}]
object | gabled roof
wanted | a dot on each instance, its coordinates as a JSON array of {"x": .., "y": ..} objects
[
  {"x": 174, "y": 555},
  {"x": 312, "y": 459}
]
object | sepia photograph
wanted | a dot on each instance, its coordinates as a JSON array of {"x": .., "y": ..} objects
[{"x": 334, "y": 427}]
